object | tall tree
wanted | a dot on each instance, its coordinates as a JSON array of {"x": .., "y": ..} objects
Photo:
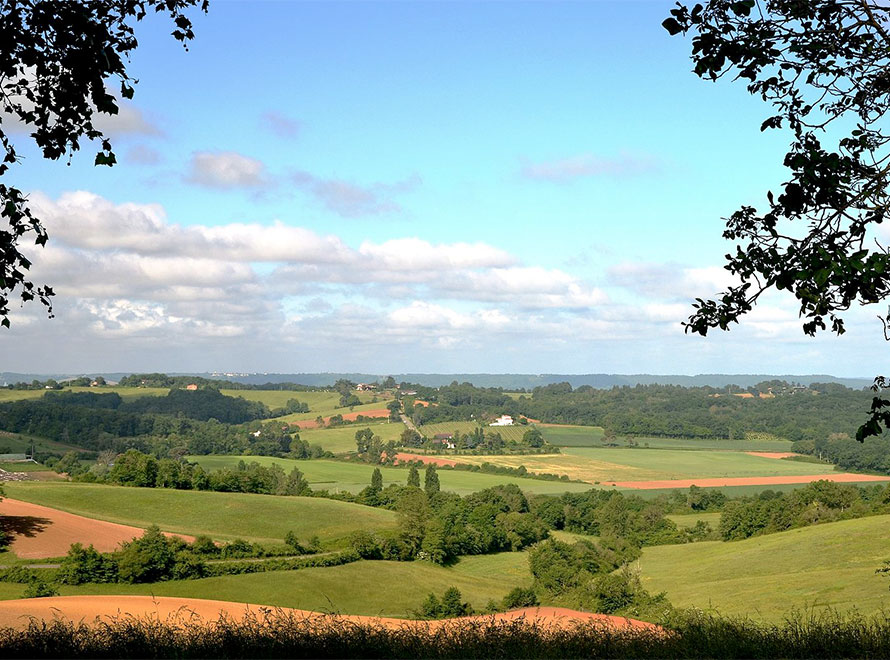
[
  {"x": 824, "y": 67},
  {"x": 431, "y": 480},
  {"x": 58, "y": 61}
]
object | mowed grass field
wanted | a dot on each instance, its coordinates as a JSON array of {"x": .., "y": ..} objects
[
  {"x": 18, "y": 443},
  {"x": 508, "y": 433},
  {"x": 765, "y": 577},
  {"x": 341, "y": 439},
  {"x": 340, "y": 475},
  {"x": 319, "y": 402},
  {"x": 609, "y": 464},
  {"x": 711, "y": 444},
  {"x": 373, "y": 588},
  {"x": 222, "y": 516},
  {"x": 572, "y": 436}
]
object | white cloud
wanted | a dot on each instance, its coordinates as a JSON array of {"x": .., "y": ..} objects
[{"x": 226, "y": 170}]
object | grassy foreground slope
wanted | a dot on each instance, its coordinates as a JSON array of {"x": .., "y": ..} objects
[
  {"x": 340, "y": 475},
  {"x": 379, "y": 587},
  {"x": 765, "y": 577},
  {"x": 219, "y": 515}
]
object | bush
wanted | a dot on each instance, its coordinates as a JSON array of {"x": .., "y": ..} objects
[
  {"x": 204, "y": 545},
  {"x": 86, "y": 565},
  {"x": 365, "y": 545},
  {"x": 37, "y": 588},
  {"x": 147, "y": 559},
  {"x": 520, "y": 597}
]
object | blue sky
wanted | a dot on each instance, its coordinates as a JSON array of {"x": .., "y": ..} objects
[{"x": 412, "y": 186}]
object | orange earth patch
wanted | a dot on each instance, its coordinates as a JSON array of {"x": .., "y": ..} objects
[
  {"x": 89, "y": 609},
  {"x": 306, "y": 424},
  {"x": 434, "y": 460},
  {"x": 40, "y": 532},
  {"x": 716, "y": 482},
  {"x": 772, "y": 454}
]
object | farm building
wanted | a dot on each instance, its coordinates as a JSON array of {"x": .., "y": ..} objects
[{"x": 503, "y": 420}]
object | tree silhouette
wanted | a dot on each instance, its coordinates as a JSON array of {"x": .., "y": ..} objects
[
  {"x": 824, "y": 68},
  {"x": 57, "y": 60}
]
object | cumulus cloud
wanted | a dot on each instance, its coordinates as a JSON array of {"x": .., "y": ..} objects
[
  {"x": 568, "y": 169},
  {"x": 133, "y": 282},
  {"x": 351, "y": 200},
  {"x": 226, "y": 170},
  {"x": 669, "y": 281}
]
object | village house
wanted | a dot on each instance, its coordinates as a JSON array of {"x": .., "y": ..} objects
[{"x": 503, "y": 420}]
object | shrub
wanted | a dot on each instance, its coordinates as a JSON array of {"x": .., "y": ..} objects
[
  {"x": 86, "y": 565},
  {"x": 520, "y": 597},
  {"x": 37, "y": 588},
  {"x": 147, "y": 559}
]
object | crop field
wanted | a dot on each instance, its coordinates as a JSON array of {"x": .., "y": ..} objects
[
  {"x": 765, "y": 577},
  {"x": 508, "y": 433},
  {"x": 572, "y": 436},
  {"x": 342, "y": 438},
  {"x": 326, "y": 412},
  {"x": 374, "y": 588},
  {"x": 710, "y": 444},
  {"x": 222, "y": 516},
  {"x": 340, "y": 475},
  {"x": 624, "y": 464}
]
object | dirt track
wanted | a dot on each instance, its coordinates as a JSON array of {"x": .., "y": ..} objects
[
  {"x": 42, "y": 532},
  {"x": 16, "y": 613},
  {"x": 837, "y": 477},
  {"x": 773, "y": 454}
]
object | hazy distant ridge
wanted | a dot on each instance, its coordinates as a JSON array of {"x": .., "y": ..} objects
[{"x": 507, "y": 381}]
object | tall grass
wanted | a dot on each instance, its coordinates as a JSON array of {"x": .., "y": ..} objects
[{"x": 276, "y": 634}]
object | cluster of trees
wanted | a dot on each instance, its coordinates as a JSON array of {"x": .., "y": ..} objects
[
  {"x": 438, "y": 526},
  {"x": 611, "y": 514},
  {"x": 481, "y": 440},
  {"x": 134, "y": 468},
  {"x": 818, "y": 502},
  {"x": 165, "y": 381},
  {"x": 848, "y": 453},
  {"x": 53, "y": 384}
]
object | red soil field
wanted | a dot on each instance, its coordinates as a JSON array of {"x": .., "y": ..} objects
[
  {"x": 40, "y": 532},
  {"x": 837, "y": 477},
  {"x": 16, "y": 613},
  {"x": 349, "y": 417},
  {"x": 435, "y": 460},
  {"x": 772, "y": 454}
]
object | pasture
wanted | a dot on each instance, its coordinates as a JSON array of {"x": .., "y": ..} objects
[
  {"x": 19, "y": 443},
  {"x": 710, "y": 444},
  {"x": 223, "y": 516},
  {"x": 572, "y": 436},
  {"x": 373, "y": 588},
  {"x": 508, "y": 433},
  {"x": 342, "y": 475},
  {"x": 341, "y": 439},
  {"x": 765, "y": 577}
]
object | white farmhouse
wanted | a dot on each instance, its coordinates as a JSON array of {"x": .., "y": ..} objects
[{"x": 503, "y": 420}]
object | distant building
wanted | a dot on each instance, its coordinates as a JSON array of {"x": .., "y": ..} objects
[
  {"x": 365, "y": 387},
  {"x": 191, "y": 386},
  {"x": 503, "y": 420}
]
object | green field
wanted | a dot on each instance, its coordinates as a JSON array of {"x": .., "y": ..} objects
[
  {"x": 340, "y": 475},
  {"x": 765, "y": 577},
  {"x": 373, "y": 588},
  {"x": 572, "y": 436},
  {"x": 223, "y": 516},
  {"x": 342, "y": 438},
  {"x": 508, "y": 433},
  {"x": 24, "y": 466},
  {"x": 125, "y": 392},
  {"x": 18, "y": 443}
]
